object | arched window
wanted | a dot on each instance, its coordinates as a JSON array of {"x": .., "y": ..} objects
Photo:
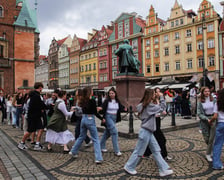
[{"x": 1, "y": 11}]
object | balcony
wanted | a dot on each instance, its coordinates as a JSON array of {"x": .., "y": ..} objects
[{"x": 5, "y": 62}]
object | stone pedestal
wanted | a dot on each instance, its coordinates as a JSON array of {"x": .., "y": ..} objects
[{"x": 130, "y": 89}]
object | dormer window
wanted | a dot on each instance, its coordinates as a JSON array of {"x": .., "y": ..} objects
[{"x": 1, "y": 11}]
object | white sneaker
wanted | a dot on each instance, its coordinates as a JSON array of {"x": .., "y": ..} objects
[
  {"x": 209, "y": 158},
  {"x": 130, "y": 172},
  {"x": 118, "y": 153},
  {"x": 22, "y": 146},
  {"x": 73, "y": 155},
  {"x": 166, "y": 172},
  {"x": 98, "y": 162},
  {"x": 168, "y": 158},
  {"x": 38, "y": 147},
  {"x": 104, "y": 150},
  {"x": 89, "y": 144}
]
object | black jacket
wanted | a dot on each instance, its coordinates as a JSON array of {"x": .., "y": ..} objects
[{"x": 104, "y": 109}]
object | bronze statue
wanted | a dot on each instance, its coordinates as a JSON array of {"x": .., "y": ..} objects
[{"x": 127, "y": 61}]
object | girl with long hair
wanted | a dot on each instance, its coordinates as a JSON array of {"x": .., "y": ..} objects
[
  {"x": 111, "y": 109},
  {"x": 205, "y": 112},
  {"x": 219, "y": 135},
  {"x": 89, "y": 109},
  {"x": 147, "y": 111}
]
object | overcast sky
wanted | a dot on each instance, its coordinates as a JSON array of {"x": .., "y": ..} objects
[{"x": 59, "y": 18}]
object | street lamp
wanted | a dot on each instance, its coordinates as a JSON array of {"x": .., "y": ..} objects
[{"x": 203, "y": 49}]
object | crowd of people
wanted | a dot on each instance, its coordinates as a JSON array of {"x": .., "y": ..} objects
[{"x": 34, "y": 112}]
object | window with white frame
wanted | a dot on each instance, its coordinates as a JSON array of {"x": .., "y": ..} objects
[
  {"x": 94, "y": 78},
  {"x": 156, "y": 53},
  {"x": 126, "y": 27},
  {"x": 200, "y": 45},
  {"x": 166, "y": 38},
  {"x": 114, "y": 74},
  {"x": 101, "y": 78},
  {"x": 181, "y": 21},
  {"x": 101, "y": 65},
  {"x": 105, "y": 77},
  {"x": 211, "y": 43},
  {"x": 210, "y": 27},
  {"x": 114, "y": 62},
  {"x": 177, "y": 22},
  {"x": 157, "y": 67},
  {"x": 177, "y": 49},
  {"x": 189, "y": 47},
  {"x": 148, "y": 42},
  {"x": 135, "y": 44},
  {"x": 105, "y": 51},
  {"x": 200, "y": 62},
  {"x": 200, "y": 30},
  {"x": 188, "y": 32},
  {"x": 211, "y": 60},
  {"x": 94, "y": 66},
  {"x": 177, "y": 35},
  {"x": 101, "y": 52},
  {"x": 166, "y": 51},
  {"x": 177, "y": 65},
  {"x": 166, "y": 66},
  {"x": 147, "y": 54},
  {"x": 120, "y": 30},
  {"x": 172, "y": 24},
  {"x": 156, "y": 40},
  {"x": 189, "y": 64}
]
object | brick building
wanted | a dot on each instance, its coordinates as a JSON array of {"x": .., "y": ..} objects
[{"x": 19, "y": 45}]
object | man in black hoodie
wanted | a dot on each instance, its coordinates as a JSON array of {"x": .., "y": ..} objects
[{"x": 35, "y": 111}]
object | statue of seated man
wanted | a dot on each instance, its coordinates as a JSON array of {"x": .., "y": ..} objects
[{"x": 127, "y": 61}]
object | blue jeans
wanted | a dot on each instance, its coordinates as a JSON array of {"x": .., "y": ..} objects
[
  {"x": 110, "y": 130},
  {"x": 146, "y": 138},
  {"x": 217, "y": 148},
  {"x": 88, "y": 123},
  {"x": 19, "y": 111}
]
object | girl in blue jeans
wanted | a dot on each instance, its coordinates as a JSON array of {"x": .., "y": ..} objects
[
  {"x": 111, "y": 109},
  {"x": 147, "y": 109},
  {"x": 89, "y": 109},
  {"x": 219, "y": 135}
]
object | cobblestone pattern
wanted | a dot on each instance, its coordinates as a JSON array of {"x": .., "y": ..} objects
[{"x": 186, "y": 147}]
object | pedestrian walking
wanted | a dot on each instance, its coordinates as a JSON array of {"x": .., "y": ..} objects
[
  {"x": 14, "y": 111},
  {"x": 9, "y": 109},
  {"x": 2, "y": 107},
  {"x": 19, "y": 109},
  {"x": 111, "y": 109},
  {"x": 219, "y": 135},
  {"x": 57, "y": 129},
  {"x": 35, "y": 123},
  {"x": 158, "y": 132},
  {"x": 89, "y": 109},
  {"x": 205, "y": 112},
  {"x": 147, "y": 111},
  {"x": 77, "y": 117}
]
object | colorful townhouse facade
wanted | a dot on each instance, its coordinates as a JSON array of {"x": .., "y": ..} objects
[
  {"x": 89, "y": 62},
  {"x": 77, "y": 44},
  {"x": 127, "y": 26},
  {"x": 19, "y": 45},
  {"x": 183, "y": 47},
  {"x": 64, "y": 67},
  {"x": 104, "y": 57},
  {"x": 41, "y": 71},
  {"x": 53, "y": 55}
]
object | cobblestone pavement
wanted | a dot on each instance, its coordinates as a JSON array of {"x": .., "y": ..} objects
[{"x": 186, "y": 147}]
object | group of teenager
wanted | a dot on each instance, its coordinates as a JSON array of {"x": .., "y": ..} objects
[{"x": 151, "y": 140}]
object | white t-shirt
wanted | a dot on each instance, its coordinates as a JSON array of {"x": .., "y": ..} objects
[
  {"x": 112, "y": 107},
  {"x": 208, "y": 106},
  {"x": 220, "y": 113}
]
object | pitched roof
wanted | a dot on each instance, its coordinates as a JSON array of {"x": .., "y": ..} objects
[
  {"x": 26, "y": 18},
  {"x": 140, "y": 22},
  {"x": 60, "y": 42}
]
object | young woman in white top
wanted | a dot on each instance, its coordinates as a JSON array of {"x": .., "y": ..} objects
[
  {"x": 205, "y": 113},
  {"x": 219, "y": 136},
  {"x": 9, "y": 109}
]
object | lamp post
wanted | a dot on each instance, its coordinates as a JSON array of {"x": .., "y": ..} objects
[{"x": 203, "y": 49}]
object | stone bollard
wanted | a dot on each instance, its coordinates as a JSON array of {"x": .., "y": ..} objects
[{"x": 131, "y": 129}]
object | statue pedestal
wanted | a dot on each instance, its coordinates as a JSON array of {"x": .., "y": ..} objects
[{"x": 130, "y": 89}]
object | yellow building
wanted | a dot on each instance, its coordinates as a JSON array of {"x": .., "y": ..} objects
[
  {"x": 173, "y": 49},
  {"x": 89, "y": 62}
]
